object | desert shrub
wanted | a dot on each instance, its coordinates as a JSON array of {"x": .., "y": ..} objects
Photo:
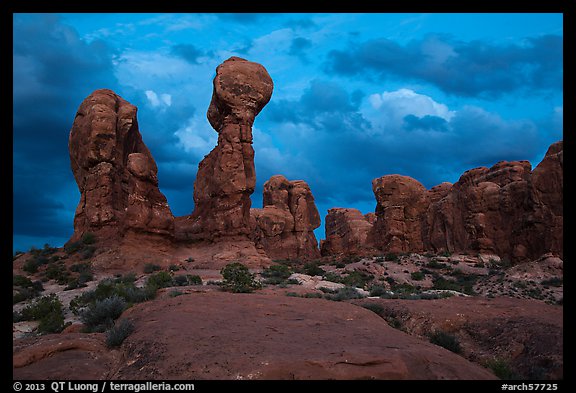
[
  {"x": 276, "y": 274},
  {"x": 393, "y": 257},
  {"x": 72, "y": 247},
  {"x": 434, "y": 264},
  {"x": 48, "y": 310},
  {"x": 180, "y": 280},
  {"x": 312, "y": 269},
  {"x": 377, "y": 290},
  {"x": 116, "y": 335},
  {"x": 21, "y": 281},
  {"x": 403, "y": 289},
  {"x": 345, "y": 293},
  {"x": 31, "y": 266},
  {"x": 194, "y": 279},
  {"x": 238, "y": 279},
  {"x": 58, "y": 272},
  {"x": 417, "y": 276},
  {"x": 25, "y": 288},
  {"x": 151, "y": 268},
  {"x": 446, "y": 254},
  {"x": 87, "y": 252},
  {"x": 160, "y": 280},
  {"x": 121, "y": 287},
  {"x": 189, "y": 259},
  {"x": 174, "y": 268},
  {"x": 374, "y": 307},
  {"x": 101, "y": 314},
  {"x": 501, "y": 368},
  {"x": 445, "y": 340},
  {"x": 351, "y": 259},
  {"x": 332, "y": 277},
  {"x": 88, "y": 238},
  {"x": 313, "y": 295},
  {"x": 553, "y": 282},
  {"x": 357, "y": 279}
]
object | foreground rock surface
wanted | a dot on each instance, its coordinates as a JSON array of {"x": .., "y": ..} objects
[
  {"x": 525, "y": 335},
  {"x": 284, "y": 227},
  {"x": 115, "y": 173},
  {"x": 272, "y": 337}
]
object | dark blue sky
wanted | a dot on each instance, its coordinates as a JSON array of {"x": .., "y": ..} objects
[{"x": 356, "y": 96}]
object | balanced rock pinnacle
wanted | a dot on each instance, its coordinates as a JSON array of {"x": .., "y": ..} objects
[
  {"x": 226, "y": 176},
  {"x": 115, "y": 172}
]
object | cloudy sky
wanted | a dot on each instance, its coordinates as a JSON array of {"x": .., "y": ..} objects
[{"x": 356, "y": 96}]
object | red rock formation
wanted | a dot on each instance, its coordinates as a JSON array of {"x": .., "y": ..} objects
[
  {"x": 115, "y": 172},
  {"x": 284, "y": 227},
  {"x": 226, "y": 177},
  {"x": 506, "y": 210},
  {"x": 401, "y": 204},
  {"x": 346, "y": 232}
]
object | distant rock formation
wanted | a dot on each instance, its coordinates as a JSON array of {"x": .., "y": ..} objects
[
  {"x": 226, "y": 176},
  {"x": 401, "y": 204},
  {"x": 508, "y": 210},
  {"x": 115, "y": 173},
  {"x": 284, "y": 227},
  {"x": 347, "y": 232}
]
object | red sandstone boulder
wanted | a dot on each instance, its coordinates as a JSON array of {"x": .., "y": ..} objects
[
  {"x": 226, "y": 177},
  {"x": 284, "y": 227},
  {"x": 346, "y": 232},
  {"x": 115, "y": 173}
]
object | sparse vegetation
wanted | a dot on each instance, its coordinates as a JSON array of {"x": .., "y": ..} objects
[
  {"x": 345, "y": 293},
  {"x": 48, "y": 310},
  {"x": 276, "y": 274},
  {"x": 174, "y": 268},
  {"x": 159, "y": 280},
  {"x": 25, "y": 288},
  {"x": 100, "y": 315},
  {"x": 88, "y": 238},
  {"x": 417, "y": 276},
  {"x": 377, "y": 290},
  {"x": 553, "y": 282},
  {"x": 312, "y": 269},
  {"x": 116, "y": 335},
  {"x": 501, "y": 368},
  {"x": 122, "y": 287},
  {"x": 434, "y": 264},
  {"x": 445, "y": 340},
  {"x": 392, "y": 257},
  {"x": 238, "y": 279}
]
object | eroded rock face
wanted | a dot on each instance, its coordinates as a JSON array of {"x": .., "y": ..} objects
[
  {"x": 226, "y": 177},
  {"x": 346, "y": 232},
  {"x": 401, "y": 204},
  {"x": 284, "y": 227},
  {"x": 115, "y": 172},
  {"x": 508, "y": 210}
]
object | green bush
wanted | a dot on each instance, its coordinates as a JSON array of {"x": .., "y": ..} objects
[
  {"x": 377, "y": 290},
  {"x": 116, "y": 335},
  {"x": 345, "y": 293},
  {"x": 160, "y": 280},
  {"x": 122, "y": 287},
  {"x": 446, "y": 340},
  {"x": 417, "y": 276},
  {"x": 357, "y": 279},
  {"x": 58, "y": 272},
  {"x": 276, "y": 274},
  {"x": 194, "y": 279},
  {"x": 174, "y": 268},
  {"x": 101, "y": 315},
  {"x": 312, "y": 269},
  {"x": 48, "y": 310},
  {"x": 434, "y": 264},
  {"x": 392, "y": 257},
  {"x": 31, "y": 266},
  {"x": 238, "y": 279},
  {"x": 151, "y": 268},
  {"x": 553, "y": 282},
  {"x": 501, "y": 368},
  {"x": 87, "y": 252}
]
